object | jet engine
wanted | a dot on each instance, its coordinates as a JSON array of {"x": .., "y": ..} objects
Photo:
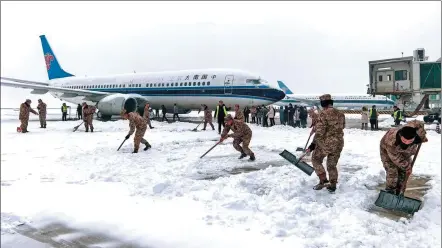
[{"x": 114, "y": 104}]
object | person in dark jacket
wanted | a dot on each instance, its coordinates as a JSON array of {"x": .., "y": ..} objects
[
  {"x": 291, "y": 113},
  {"x": 164, "y": 110},
  {"x": 220, "y": 113},
  {"x": 79, "y": 112},
  {"x": 246, "y": 114},
  {"x": 303, "y": 116},
  {"x": 286, "y": 115},
  {"x": 373, "y": 115}
]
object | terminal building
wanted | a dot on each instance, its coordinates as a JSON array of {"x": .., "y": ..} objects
[{"x": 413, "y": 81}]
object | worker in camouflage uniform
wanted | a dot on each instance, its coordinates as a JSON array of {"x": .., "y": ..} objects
[
  {"x": 239, "y": 115},
  {"x": 207, "y": 117},
  {"x": 328, "y": 142},
  {"x": 42, "y": 113},
  {"x": 138, "y": 122},
  {"x": 396, "y": 148},
  {"x": 146, "y": 114},
  {"x": 25, "y": 108},
  {"x": 88, "y": 116},
  {"x": 241, "y": 133},
  {"x": 314, "y": 117}
]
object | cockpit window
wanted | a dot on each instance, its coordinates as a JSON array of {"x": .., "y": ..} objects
[{"x": 252, "y": 81}]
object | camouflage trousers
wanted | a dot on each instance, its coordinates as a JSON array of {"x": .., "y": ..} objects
[
  {"x": 395, "y": 178},
  {"x": 318, "y": 156},
  {"x": 138, "y": 138},
  {"x": 88, "y": 123},
  {"x": 245, "y": 140},
  {"x": 210, "y": 123},
  {"x": 42, "y": 119},
  {"x": 24, "y": 125}
]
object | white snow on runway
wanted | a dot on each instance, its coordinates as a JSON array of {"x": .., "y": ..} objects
[{"x": 156, "y": 197}]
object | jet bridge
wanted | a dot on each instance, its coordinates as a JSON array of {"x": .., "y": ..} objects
[{"x": 412, "y": 80}]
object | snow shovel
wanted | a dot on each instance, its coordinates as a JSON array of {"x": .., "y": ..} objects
[
  {"x": 76, "y": 127},
  {"x": 211, "y": 149},
  {"x": 400, "y": 202},
  {"x": 306, "y": 168},
  {"x": 299, "y": 149},
  {"x": 196, "y": 129},
  {"x": 121, "y": 144}
]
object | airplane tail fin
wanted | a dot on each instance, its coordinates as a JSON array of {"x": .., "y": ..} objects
[
  {"x": 53, "y": 67},
  {"x": 285, "y": 88}
]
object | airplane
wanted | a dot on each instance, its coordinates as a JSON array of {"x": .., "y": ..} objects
[
  {"x": 187, "y": 88},
  {"x": 339, "y": 101}
]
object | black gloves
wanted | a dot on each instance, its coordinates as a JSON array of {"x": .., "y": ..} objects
[
  {"x": 312, "y": 146},
  {"x": 127, "y": 136}
]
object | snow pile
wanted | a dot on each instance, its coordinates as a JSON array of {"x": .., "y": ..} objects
[{"x": 157, "y": 198}]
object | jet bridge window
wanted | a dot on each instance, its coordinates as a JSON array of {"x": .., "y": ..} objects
[
  {"x": 400, "y": 75},
  {"x": 380, "y": 78}
]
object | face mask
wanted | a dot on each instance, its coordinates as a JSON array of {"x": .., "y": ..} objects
[
  {"x": 324, "y": 104},
  {"x": 403, "y": 146}
]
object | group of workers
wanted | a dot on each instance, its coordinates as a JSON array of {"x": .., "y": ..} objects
[{"x": 397, "y": 146}]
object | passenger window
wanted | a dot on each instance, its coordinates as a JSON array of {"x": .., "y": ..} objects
[
  {"x": 181, "y": 84},
  {"x": 204, "y": 83},
  {"x": 199, "y": 83},
  {"x": 185, "y": 84},
  {"x": 176, "y": 84},
  {"x": 167, "y": 85},
  {"x": 208, "y": 83},
  {"x": 194, "y": 83},
  {"x": 162, "y": 84}
]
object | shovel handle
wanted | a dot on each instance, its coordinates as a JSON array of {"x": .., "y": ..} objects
[
  {"x": 305, "y": 147},
  {"x": 407, "y": 175},
  {"x": 211, "y": 149}
]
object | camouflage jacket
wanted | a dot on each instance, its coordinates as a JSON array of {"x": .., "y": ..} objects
[
  {"x": 89, "y": 110},
  {"x": 391, "y": 148},
  {"x": 42, "y": 108},
  {"x": 239, "y": 128},
  {"x": 329, "y": 129},
  {"x": 136, "y": 121},
  {"x": 239, "y": 115},
  {"x": 24, "y": 111},
  {"x": 314, "y": 118},
  {"x": 208, "y": 115}
]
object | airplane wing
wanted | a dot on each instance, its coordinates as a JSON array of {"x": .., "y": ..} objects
[{"x": 43, "y": 88}]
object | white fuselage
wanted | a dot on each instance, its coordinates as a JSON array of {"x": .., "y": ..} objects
[
  {"x": 342, "y": 101},
  {"x": 187, "y": 88}
]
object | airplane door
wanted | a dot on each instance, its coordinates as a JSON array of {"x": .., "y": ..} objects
[{"x": 228, "y": 83}]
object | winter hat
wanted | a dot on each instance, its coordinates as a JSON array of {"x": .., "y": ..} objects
[{"x": 408, "y": 132}]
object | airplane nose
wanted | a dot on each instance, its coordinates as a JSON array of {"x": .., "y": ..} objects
[{"x": 280, "y": 95}]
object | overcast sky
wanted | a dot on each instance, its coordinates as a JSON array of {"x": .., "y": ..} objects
[{"x": 315, "y": 47}]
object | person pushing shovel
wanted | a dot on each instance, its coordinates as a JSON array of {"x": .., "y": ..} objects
[
  {"x": 136, "y": 121},
  {"x": 396, "y": 148},
  {"x": 241, "y": 134}
]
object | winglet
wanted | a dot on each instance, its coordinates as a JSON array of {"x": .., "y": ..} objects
[
  {"x": 52, "y": 66},
  {"x": 284, "y": 88}
]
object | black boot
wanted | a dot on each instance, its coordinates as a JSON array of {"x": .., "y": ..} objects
[
  {"x": 331, "y": 187},
  {"x": 44, "y": 126},
  {"x": 252, "y": 157},
  {"x": 243, "y": 155},
  {"x": 92, "y": 129},
  {"x": 148, "y": 146},
  {"x": 321, "y": 184},
  {"x": 135, "y": 151}
]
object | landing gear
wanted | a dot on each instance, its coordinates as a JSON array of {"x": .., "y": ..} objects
[{"x": 103, "y": 117}]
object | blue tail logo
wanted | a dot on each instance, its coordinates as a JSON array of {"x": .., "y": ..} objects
[
  {"x": 284, "y": 88},
  {"x": 53, "y": 67}
]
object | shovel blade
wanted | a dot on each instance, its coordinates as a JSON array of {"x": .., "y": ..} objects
[
  {"x": 391, "y": 201},
  {"x": 306, "y": 168}
]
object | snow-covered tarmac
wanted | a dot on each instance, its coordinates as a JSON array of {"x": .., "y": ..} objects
[{"x": 155, "y": 198}]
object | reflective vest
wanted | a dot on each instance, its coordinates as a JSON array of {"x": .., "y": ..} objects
[
  {"x": 373, "y": 114},
  {"x": 64, "y": 108},
  {"x": 217, "y": 111},
  {"x": 397, "y": 115}
]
